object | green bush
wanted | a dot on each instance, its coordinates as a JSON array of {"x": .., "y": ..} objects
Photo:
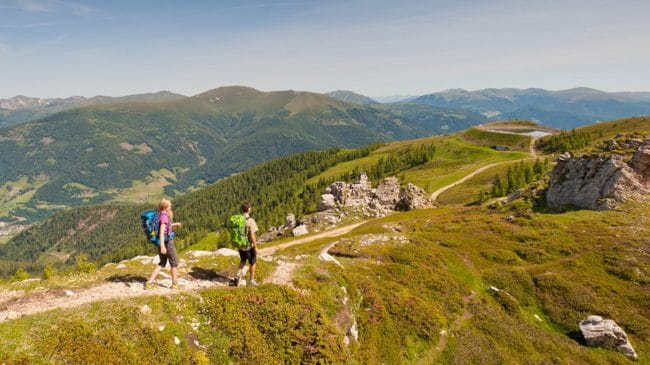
[
  {"x": 20, "y": 275},
  {"x": 82, "y": 264},
  {"x": 272, "y": 325},
  {"x": 49, "y": 272}
]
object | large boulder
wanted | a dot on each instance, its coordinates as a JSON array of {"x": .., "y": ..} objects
[
  {"x": 300, "y": 230},
  {"x": 599, "y": 332},
  {"x": 641, "y": 161},
  {"x": 327, "y": 202},
  {"x": 387, "y": 192},
  {"x": 290, "y": 221},
  {"x": 412, "y": 197},
  {"x": 594, "y": 182},
  {"x": 359, "y": 193},
  {"x": 339, "y": 190}
]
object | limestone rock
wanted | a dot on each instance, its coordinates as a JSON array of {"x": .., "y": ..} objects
[
  {"x": 290, "y": 221},
  {"x": 359, "y": 193},
  {"x": 641, "y": 161},
  {"x": 388, "y": 192},
  {"x": 227, "y": 252},
  {"x": 200, "y": 253},
  {"x": 327, "y": 201},
  {"x": 594, "y": 182},
  {"x": 300, "y": 230},
  {"x": 412, "y": 197},
  {"x": 606, "y": 333},
  {"x": 340, "y": 191}
]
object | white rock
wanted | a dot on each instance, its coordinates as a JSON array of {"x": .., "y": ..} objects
[
  {"x": 599, "y": 332},
  {"x": 145, "y": 309},
  {"x": 161, "y": 328},
  {"x": 200, "y": 253},
  {"x": 227, "y": 252},
  {"x": 300, "y": 230},
  {"x": 494, "y": 289},
  {"x": 121, "y": 266},
  {"x": 195, "y": 325},
  {"x": 354, "y": 331},
  {"x": 177, "y": 341},
  {"x": 69, "y": 293}
]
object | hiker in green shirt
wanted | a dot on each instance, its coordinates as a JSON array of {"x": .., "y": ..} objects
[{"x": 248, "y": 252}]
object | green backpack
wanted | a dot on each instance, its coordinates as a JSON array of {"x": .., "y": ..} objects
[{"x": 238, "y": 231}]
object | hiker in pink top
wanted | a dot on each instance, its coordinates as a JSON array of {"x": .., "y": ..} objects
[{"x": 166, "y": 249}]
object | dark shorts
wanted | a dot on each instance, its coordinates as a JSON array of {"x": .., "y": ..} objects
[
  {"x": 171, "y": 255},
  {"x": 249, "y": 255}
]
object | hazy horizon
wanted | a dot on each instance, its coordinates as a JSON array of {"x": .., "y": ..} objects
[{"x": 62, "y": 48}]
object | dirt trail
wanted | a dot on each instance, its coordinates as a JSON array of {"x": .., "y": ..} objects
[
  {"x": 268, "y": 251},
  {"x": 14, "y": 305},
  {"x": 533, "y": 154}
]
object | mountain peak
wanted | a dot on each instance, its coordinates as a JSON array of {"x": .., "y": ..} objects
[{"x": 351, "y": 97}]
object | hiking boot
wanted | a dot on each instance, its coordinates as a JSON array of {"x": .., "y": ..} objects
[
  {"x": 174, "y": 286},
  {"x": 149, "y": 286},
  {"x": 252, "y": 282}
]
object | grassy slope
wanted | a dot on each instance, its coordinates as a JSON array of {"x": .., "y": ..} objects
[
  {"x": 467, "y": 192},
  {"x": 402, "y": 295},
  {"x": 559, "y": 267},
  {"x": 455, "y": 158}
]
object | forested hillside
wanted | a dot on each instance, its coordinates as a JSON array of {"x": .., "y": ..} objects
[
  {"x": 291, "y": 184},
  {"x": 20, "y": 109},
  {"x": 140, "y": 151},
  {"x": 112, "y": 232}
]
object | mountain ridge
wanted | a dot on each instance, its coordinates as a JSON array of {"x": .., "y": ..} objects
[
  {"x": 99, "y": 152},
  {"x": 565, "y": 109}
]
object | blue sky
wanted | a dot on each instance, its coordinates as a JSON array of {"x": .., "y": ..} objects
[{"x": 58, "y": 48}]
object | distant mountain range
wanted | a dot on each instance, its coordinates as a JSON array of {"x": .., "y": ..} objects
[
  {"x": 104, "y": 152},
  {"x": 89, "y": 150},
  {"x": 564, "y": 109},
  {"x": 23, "y": 108},
  {"x": 352, "y": 97}
]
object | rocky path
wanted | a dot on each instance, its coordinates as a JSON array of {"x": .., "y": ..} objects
[
  {"x": 16, "y": 304},
  {"x": 268, "y": 251}
]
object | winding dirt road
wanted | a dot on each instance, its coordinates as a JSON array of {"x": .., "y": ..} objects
[{"x": 533, "y": 154}]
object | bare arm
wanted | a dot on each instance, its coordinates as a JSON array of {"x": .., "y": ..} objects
[
  {"x": 161, "y": 239},
  {"x": 253, "y": 240}
]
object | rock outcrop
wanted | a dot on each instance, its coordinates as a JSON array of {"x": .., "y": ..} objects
[
  {"x": 386, "y": 197},
  {"x": 412, "y": 197},
  {"x": 599, "y": 332},
  {"x": 598, "y": 182},
  {"x": 327, "y": 201},
  {"x": 300, "y": 230},
  {"x": 641, "y": 161},
  {"x": 359, "y": 200},
  {"x": 387, "y": 192}
]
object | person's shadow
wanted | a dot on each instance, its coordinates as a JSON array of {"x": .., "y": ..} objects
[
  {"x": 200, "y": 273},
  {"x": 127, "y": 279}
]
